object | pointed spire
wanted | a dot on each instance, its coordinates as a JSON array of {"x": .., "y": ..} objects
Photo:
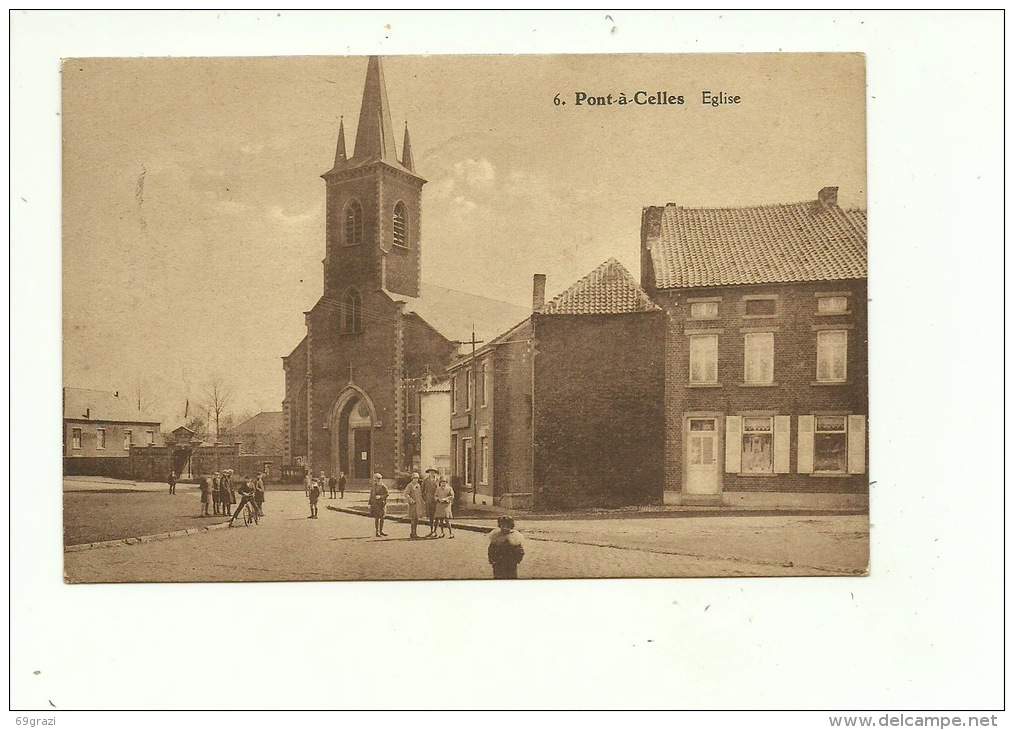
[
  {"x": 375, "y": 134},
  {"x": 340, "y": 158},
  {"x": 406, "y": 152}
]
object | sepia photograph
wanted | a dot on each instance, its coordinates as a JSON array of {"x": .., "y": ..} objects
[
  {"x": 586, "y": 316},
  {"x": 485, "y": 361}
]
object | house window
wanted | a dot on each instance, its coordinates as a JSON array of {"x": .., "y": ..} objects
[
  {"x": 128, "y": 440},
  {"x": 468, "y": 465},
  {"x": 830, "y": 443},
  {"x": 833, "y": 305},
  {"x": 758, "y": 446},
  {"x": 454, "y": 394},
  {"x": 832, "y": 349},
  {"x": 759, "y": 307},
  {"x": 352, "y": 313},
  {"x": 486, "y": 370},
  {"x": 469, "y": 382},
  {"x": 703, "y": 310},
  {"x": 484, "y": 461},
  {"x": 400, "y": 222},
  {"x": 704, "y": 358},
  {"x": 151, "y": 438},
  {"x": 759, "y": 358},
  {"x": 100, "y": 438},
  {"x": 353, "y": 224},
  {"x": 75, "y": 438}
]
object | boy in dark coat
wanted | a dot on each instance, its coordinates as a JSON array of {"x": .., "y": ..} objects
[{"x": 505, "y": 549}]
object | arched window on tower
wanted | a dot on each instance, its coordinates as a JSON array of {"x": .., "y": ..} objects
[
  {"x": 352, "y": 312},
  {"x": 353, "y": 224},
  {"x": 400, "y": 225}
]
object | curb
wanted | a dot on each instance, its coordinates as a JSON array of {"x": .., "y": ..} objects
[
  {"x": 143, "y": 538},
  {"x": 406, "y": 521}
]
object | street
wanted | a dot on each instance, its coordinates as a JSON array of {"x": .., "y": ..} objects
[{"x": 286, "y": 546}]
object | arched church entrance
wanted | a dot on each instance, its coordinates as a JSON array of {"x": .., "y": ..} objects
[{"x": 352, "y": 435}]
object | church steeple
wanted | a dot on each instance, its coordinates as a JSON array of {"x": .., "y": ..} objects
[
  {"x": 340, "y": 158},
  {"x": 406, "y": 152},
  {"x": 375, "y": 134}
]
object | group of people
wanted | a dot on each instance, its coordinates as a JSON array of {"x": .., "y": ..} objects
[
  {"x": 434, "y": 495},
  {"x": 336, "y": 484},
  {"x": 219, "y": 490}
]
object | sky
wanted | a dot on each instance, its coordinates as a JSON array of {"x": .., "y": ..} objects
[{"x": 193, "y": 227}]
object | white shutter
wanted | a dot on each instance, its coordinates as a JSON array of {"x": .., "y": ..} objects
[
  {"x": 733, "y": 443},
  {"x": 804, "y": 455},
  {"x": 857, "y": 445},
  {"x": 783, "y": 425}
]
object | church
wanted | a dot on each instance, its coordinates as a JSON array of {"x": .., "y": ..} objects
[{"x": 378, "y": 335}]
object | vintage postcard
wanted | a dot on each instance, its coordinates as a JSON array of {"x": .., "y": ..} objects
[{"x": 464, "y": 317}]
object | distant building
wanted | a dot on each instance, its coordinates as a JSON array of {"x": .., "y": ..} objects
[
  {"x": 377, "y": 331},
  {"x": 563, "y": 410},
  {"x": 766, "y": 394},
  {"x": 260, "y": 434},
  {"x": 102, "y": 424}
]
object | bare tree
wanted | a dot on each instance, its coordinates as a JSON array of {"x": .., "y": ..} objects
[
  {"x": 142, "y": 394},
  {"x": 218, "y": 396}
]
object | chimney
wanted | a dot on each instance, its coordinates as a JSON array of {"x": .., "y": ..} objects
[
  {"x": 828, "y": 196},
  {"x": 538, "y": 291}
]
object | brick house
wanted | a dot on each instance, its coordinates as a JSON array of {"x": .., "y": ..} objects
[
  {"x": 102, "y": 424},
  {"x": 377, "y": 331},
  {"x": 565, "y": 406},
  {"x": 766, "y": 392}
]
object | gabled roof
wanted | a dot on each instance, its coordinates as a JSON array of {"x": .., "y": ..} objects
[
  {"x": 808, "y": 241},
  {"x": 265, "y": 422},
  {"x": 81, "y": 404},
  {"x": 609, "y": 289},
  {"x": 453, "y": 313}
]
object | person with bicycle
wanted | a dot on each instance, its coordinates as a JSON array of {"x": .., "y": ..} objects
[{"x": 246, "y": 493}]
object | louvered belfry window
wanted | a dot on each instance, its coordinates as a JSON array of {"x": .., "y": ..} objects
[
  {"x": 400, "y": 225},
  {"x": 353, "y": 224}
]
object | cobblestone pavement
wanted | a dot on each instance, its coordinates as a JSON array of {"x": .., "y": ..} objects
[{"x": 286, "y": 546}]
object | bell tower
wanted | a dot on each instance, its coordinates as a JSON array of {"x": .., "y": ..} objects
[{"x": 374, "y": 204}]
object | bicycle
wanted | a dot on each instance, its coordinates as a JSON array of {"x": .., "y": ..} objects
[{"x": 250, "y": 514}]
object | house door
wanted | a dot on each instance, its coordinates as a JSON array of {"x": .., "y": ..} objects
[
  {"x": 361, "y": 442},
  {"x": 702, "y": 456}
]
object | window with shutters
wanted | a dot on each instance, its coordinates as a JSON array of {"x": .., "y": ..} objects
[
  {"x": 757, "y": 444},
  {"x": 487, "y": 371},
  {"x": 833, "y": 304},
  {"x": 128, "y": 440},
  {"x": 400, "y": 225},
  {"x": 151, "y": 438},
  {"x": 353, "y": 224},
  {"x": 830, "y": 445},
  {"x": 703, "y": 310},
  {"x": 454, "y": 394},
  {"x": 832, "y": 354},
  {"x": 75, "y": 438},
  {"x": 759, "y": 358},
  {"x": 100, "y": 438},
  {"x": 760, "y": 306},
  {"x": 704, "y": 359}
]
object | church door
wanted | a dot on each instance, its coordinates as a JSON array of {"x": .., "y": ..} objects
[{"x": 361, "y": 438}]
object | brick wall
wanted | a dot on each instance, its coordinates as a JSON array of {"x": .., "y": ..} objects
[
  {"x": 795, "y": 365},
  {"x": 511, "y": 440},
  {"x": 598, "y": 418},
  {"x": 346, "y": 265},
  {"x": 402, "y": 264}
]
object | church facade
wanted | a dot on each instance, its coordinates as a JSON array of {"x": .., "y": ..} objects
[{"x": 377, "y": 334}]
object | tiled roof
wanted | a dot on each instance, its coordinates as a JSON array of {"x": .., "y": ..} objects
[
  {"x": 100, "y": 405},
  {"x": 453, "y": 313},
  {"x": 808, "y": 241},
  {"x": 265, "y": 422},
  {"x": 609, "y": 289}
]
